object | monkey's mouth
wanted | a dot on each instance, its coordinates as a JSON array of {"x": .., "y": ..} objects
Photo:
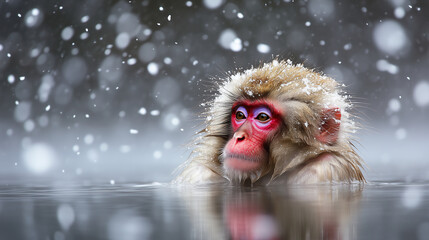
[{"x": 242, "y": 162}]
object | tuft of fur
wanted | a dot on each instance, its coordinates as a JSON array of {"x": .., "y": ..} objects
[{"x": 303, "y": 94}]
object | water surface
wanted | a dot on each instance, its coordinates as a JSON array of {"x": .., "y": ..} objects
[{"x": 393, "y": 210}]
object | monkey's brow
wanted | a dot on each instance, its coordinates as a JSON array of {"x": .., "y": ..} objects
[{"x": 248, "y": 103}]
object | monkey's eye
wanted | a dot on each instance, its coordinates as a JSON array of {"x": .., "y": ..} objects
[
  {"x": 263, "y": 117},
  {"x": 240, "y": 115}
]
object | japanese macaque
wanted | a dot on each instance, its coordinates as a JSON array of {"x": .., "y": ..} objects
[{"x": 279, "y": 123}]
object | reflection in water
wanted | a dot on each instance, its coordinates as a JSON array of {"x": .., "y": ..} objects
[
  {"x": 248, "y": 220},
  {"x": 305, "y": 212},
  {"x": 65, "y": 215},
  {"x": 127, "y": 225},
  {"x": 128, "y": 212}
]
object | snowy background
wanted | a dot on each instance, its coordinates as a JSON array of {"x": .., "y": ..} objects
[{"x": 110, "y": 91}]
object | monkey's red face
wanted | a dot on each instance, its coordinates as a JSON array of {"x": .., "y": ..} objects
[{"x": 253, "y": 122}]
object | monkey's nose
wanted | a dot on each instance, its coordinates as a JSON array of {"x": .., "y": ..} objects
[{"x": 240, "y": 136}]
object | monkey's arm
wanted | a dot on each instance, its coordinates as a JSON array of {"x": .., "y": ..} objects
[{"x": 197, "y": 173}]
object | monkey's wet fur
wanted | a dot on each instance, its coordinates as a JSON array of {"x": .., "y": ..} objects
[{"x": 278, "y": 123}]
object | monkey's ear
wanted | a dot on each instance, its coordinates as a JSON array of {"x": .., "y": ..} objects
[{"x": 330, "y": 125}]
